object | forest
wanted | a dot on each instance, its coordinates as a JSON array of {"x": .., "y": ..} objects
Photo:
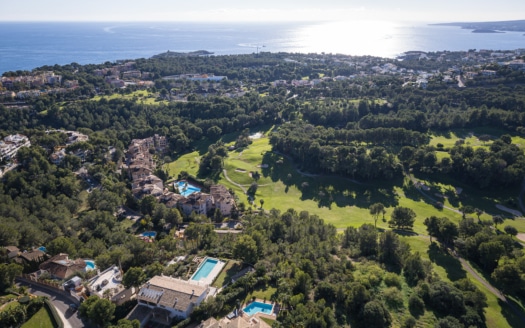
[{"x": 371, "y": 128}]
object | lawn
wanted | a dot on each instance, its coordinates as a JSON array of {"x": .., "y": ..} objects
[
  {"x": 261, "y": 294},
  {"x": 41, "y": 319},
  {"x": 231, "y": 268}
]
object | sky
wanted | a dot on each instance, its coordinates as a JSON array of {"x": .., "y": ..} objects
[{"x": 259, "y": 11}]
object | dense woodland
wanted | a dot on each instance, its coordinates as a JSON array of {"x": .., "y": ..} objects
[{"x": 367, "y": 128}]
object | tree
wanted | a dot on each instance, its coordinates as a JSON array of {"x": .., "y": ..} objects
[
  {"x": 511, "y": 230},
  {"x": 375, "y": 314},
  {"x": 134, "y": 277},
  {"x": 62, "y": 245},
  {"x": 478, "y": 213},
  {"x": 262, "y": 202},
  {"x": 101, "y": 312},
  {"x": 148, "y": 204},
  {"x": 489, "y": 254},
  {"x": 8, "y": 273},
  {"x": 246, "y": 249},
  {"x": 432, "y": 224},
  {"x": 414, "y": 269},
  {"x": 402, "y": 217},
  {"x": 389, "y": 249},
  {"x": 508, "y": 277},
  {"x": 467, "y": 209},
  {"x": 497, "y": 219},
  {"x": 367, "y": 236},
  {"x": 375, "y": 210}
]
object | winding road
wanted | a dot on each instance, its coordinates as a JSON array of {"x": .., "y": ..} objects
[{"x": 59, "y": 301}]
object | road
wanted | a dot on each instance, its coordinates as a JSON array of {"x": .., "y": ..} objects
[{"x": 60, "y": 302}]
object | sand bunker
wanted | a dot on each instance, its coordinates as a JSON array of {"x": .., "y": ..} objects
[
  {"x": 240, "y": 170},
  {"x": 257, "y": 135},
  {"x": 263, "y": 166},
  {"x": 521, "y": 236},
  {"x": 509, "y": 210}
]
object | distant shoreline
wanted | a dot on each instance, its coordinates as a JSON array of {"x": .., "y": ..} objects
[{"x": 486, "y": 31}]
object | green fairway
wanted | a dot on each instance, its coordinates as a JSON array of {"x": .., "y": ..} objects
[
  {"x": 140, "y": 96},
  {"x": 339, "y": 201}
]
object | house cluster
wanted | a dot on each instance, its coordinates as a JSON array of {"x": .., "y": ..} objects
[
  {"x": 202, "y": 203},
  {"x": 124, "y": 74},
  {"x": 141, "y": 165},
  {"x": 11, "y": 144},
  {"x": 32, "y": 81},
  {"x": 206, "y": 77},
  {"x": 59, "y": 153},
  {"x": 32, "y": 86}
]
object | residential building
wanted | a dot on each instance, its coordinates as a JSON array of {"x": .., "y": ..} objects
[
  {"x": 198, "y": 202},
  {"x": 171, "y": 297},
  {"x": 108, "y": 283},
  {"x": 61, "y": 267},
  {"x": 222, "y": 199}
]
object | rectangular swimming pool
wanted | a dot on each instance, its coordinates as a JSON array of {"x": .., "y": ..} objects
[
  {"x": 256, "y": 307},
  {"x": 204, "y": 269}
]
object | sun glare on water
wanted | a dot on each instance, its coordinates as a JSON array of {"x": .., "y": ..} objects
[{"x": 349, "y": 37}]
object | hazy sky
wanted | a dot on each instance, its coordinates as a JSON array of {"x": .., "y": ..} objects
[{"x": 264, "y": 10}]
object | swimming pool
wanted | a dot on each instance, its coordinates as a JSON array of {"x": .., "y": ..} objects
[
  {"x": 90, "y": 265},
  {"x": 42, "y": 248},
  {"x": 204, "y": 269},
  {"x": 186, "y": 189},
  {"x": 255, "y": 307},
  {"x": 150, "y": 234}
]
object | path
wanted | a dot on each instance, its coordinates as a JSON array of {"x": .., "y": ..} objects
[{"x": 233, "y": 182}]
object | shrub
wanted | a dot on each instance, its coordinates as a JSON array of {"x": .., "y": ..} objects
[
  {"x": 393, "y": 297},
  {"x": 392, "y": 280}
]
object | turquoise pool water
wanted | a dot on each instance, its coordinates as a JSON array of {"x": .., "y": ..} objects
[
  {"x": 149, "y": 234},
  {"x": 43, "y": 249},
  {"x": 186, "y": 189},
  {"x": 90, "y": 265},
  {"x": 205, "y": 269},
  {"x": 256, "y": 307}
]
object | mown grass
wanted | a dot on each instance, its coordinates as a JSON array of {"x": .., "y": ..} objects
[
  {"x": 340, "y": 201},
  {"x": 41, "y": 319},
  {"x": 229, "y": 270},
  {"x": 262, "y": 293},
  {"x": 140, "y": 96}
]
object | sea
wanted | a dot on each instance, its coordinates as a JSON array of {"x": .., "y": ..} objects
[{"x": 25, "y": 46}]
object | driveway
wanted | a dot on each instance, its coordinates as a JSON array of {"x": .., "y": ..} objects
[{"x": 60, "y": 302}]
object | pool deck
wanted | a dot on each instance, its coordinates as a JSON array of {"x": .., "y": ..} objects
[{"x": 214, "y": 273}]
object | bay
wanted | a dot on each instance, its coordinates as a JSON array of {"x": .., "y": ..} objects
[{"x": 25, "y": 46}]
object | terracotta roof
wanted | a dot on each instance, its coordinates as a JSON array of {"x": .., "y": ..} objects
[
  {"x": 61, "y": 266},
  {"x": 34, "y": 255}
]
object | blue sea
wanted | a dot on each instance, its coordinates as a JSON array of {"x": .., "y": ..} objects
[{"x": 24, "y": 46}]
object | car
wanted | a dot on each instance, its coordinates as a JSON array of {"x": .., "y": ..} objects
[{"x": 73, "y": 307}]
